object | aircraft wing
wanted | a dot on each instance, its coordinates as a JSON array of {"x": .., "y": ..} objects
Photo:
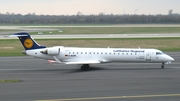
[
  {"x": 83, "y": 62},
  {"x": 77, "y": 62}
]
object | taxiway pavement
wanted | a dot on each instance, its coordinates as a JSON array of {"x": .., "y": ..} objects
[
  {"x": 98, "y": 36},
  {"x": 42, "y": 81}
]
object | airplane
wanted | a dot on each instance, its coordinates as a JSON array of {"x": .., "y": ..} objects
[{"x": 88, "y": 56}]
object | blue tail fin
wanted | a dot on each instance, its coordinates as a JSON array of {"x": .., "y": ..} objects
[{"x": 27, "y": 41}]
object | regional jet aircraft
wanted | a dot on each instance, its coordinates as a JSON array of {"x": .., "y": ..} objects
[{"x": 87, "y": 56}]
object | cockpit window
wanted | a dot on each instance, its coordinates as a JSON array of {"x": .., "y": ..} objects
[{"x": 159, "y": 53}]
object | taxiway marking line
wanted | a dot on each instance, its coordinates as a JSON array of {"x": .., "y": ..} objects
[{"x": 113, "y": 97}]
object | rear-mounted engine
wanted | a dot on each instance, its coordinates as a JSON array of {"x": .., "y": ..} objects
[{"x": 52, "y": 51}]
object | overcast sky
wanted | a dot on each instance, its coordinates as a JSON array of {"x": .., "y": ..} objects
[{"x": 70, "y": 7}]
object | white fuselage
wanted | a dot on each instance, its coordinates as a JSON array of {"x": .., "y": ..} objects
[{"x": 103, "y": 55}]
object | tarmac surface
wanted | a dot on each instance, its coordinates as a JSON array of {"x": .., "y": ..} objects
[{"x": 42, "y": 81}]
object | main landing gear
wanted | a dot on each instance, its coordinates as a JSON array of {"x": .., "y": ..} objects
[
  {"x": 85, "y": 67},
  {"x": 162, "y": 66}
]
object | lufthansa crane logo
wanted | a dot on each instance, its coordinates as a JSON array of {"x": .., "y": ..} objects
[{"x": 28, "y": 43}]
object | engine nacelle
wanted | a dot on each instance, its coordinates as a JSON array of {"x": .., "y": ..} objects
[{"x": 52, "y": 51}]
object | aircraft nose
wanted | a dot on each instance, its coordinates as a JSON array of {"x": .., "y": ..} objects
[
  {"x": 168, "y": 58},
  {"x": 171, "y": 59}
]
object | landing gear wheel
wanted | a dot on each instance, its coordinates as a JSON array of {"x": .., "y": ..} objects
[
  {"x": 85, "y": 67},
  {"x": 162, "y": 66}
]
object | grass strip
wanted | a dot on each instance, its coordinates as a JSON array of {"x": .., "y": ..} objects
[
  {"x": 111, "y": 30},
  {"x": 9, "y": 81},
  {"x": 13, "y": 47}
]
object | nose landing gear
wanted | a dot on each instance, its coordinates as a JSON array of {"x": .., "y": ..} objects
[{"x": 162, "y": 66}]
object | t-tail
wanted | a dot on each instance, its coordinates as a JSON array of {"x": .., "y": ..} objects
[{"x": 27, "y": 41}]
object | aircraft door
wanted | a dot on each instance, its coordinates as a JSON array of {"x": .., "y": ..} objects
[{"x": 148, "y": 56}]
